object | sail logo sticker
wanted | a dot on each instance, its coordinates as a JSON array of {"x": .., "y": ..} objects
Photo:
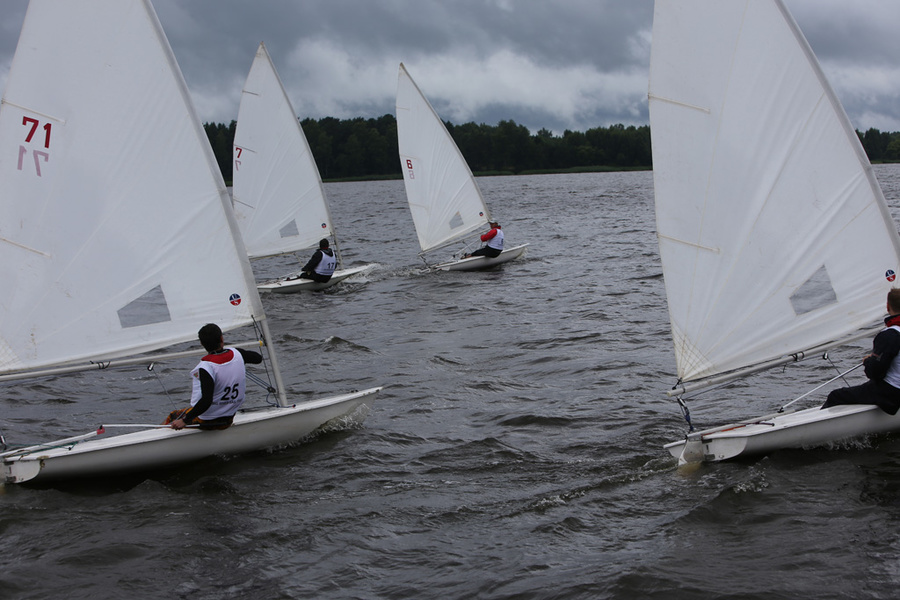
[
  {"x": 235, "y": 299},
  {"x": 324, "y": 225},
  {"x": 890, "y": 275}
]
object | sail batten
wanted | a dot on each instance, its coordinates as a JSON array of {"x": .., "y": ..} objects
[
  {"x": 107, "y": 257},
  {"x": 772, "y": 176},
  {"x": 702, "y": 109}
]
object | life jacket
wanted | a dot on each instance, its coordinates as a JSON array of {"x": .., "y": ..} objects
[
  {"x": 327, "y": 265},
  {"x": 893, "y": 373},
  {"x": 496, "y": 242},
  {"x": 229, "y": 377}
]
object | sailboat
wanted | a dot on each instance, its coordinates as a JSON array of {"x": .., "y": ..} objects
[
  {"x": 117, "y": 236},
  {"x": 279, "y": 199},
  {"x": 444, "y": 199},
  {"x": 775, "y": 238}
]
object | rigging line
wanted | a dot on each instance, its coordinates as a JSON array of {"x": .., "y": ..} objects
[
  {"x": 268, "y": 385},
  {"x": 828, "y": 358},
  {"x": 159, "y": 379},
  {"x": 818, "y": 387},
  {"x": 686, "y": 413},
  {"x": 260, "y": 382},
  {"x": 467, "y": 245}
]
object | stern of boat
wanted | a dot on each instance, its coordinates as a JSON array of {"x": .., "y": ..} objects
[
  {"x": 688, "y": 450},
  {"x": 19, "y": 470}
]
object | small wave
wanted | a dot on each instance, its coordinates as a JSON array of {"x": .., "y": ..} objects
[
  {"x": 333, "y": 343},
  {"x": 536, "y": 420}
]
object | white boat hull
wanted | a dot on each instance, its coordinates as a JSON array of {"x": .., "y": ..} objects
[
  {"x": 477, "y": 263},
  {"x": 161, "y": 447},
  {"x": 801, "y": 429},
  {"x": 294, "y": 284}
]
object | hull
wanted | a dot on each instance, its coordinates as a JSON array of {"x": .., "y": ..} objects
[
  {"x": 161, "y": 447},
  {"x": 478, "y": 263},
  {"x": 294, "y": 284},
  {"x": 801, "y": 429}
]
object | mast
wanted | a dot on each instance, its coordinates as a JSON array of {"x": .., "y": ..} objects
[
  {"x": 444, "y": 199},
  {"x": 279, "y": 196},
  {"x": 273, "y": 358}
]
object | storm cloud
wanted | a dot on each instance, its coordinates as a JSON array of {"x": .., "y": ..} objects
[{"x": 567, "y": 64}]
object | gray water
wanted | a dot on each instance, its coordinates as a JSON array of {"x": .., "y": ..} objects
[{"x": 515, "y": 452}]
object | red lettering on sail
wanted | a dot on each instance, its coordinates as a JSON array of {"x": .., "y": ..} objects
[{"x": 34, "y": 124}]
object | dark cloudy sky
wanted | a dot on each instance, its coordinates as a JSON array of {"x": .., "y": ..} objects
[{"x": 555, "y": 64}]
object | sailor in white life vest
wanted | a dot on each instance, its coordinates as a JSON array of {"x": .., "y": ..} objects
[
  {"x": 882, "y": 367},
  {"x": 321, "y": 265},
  {"x": 219, "y": 382},
  {"x": 494, "y": 239}
]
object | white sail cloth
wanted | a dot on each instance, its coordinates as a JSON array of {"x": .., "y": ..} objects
[
  {"x": 116, "y": 231},
  {"x": 443, "y": 197},
  {"x": 279, "y": 198},
  {"x": 773, "y": 232}
]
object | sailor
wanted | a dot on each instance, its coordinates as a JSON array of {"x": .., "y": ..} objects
[
  {"x": 218, "y": 383},
  {"x": 494, "y": 239},
  {"x": 882, "y": 367},
  {"x": 321, "y": 265}
]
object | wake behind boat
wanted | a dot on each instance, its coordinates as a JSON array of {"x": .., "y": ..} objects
[
  {"x": 118, "y": 236},
  {"x": 775, "y": 238},
  {"x": 446, "y": 204},
  {"x": 279, "y": 199}
]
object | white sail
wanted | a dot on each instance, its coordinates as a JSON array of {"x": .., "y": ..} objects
[
  {"x": 116, "y": 232},
  {"x": 444, "y": 199},
  {"x": 773, "y": 232},
  {"x": 279, "y": 199}
]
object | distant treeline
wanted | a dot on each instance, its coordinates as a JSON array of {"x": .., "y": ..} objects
[{"x": 367, "y": 148}]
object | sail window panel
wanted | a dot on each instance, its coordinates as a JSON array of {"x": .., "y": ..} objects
[
  {"x": 148, "y": 309},
  {"x": 290, "y": 230},
  {"x": 456, "y": 221},
  {"x": 758, "y": 183},
  {"x": 815, "y": 293}
]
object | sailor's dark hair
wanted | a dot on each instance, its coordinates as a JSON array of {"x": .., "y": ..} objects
[
  {"x": 323, "y": 243},
  {"x": 210, "y": 335},
  {"x": 893, "y": 299}
]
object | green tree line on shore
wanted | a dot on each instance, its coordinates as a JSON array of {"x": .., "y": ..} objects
[{"x": 367, "y": 148}]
